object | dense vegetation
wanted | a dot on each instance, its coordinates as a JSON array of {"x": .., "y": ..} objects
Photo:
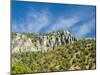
[{"x": 80, "y": 55}]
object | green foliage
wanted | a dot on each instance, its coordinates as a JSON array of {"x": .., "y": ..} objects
[
  {"x": 58, "y": 59},
  {"x": 20, "y": 68}
]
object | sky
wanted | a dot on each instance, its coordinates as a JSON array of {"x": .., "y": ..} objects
[{"x": 37, "y": 17}]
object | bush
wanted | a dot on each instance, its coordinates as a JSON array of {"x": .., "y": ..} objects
[{"x": 57, "y": 59}]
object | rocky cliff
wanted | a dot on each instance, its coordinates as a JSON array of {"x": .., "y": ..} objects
[{"x": 23, "y": 42}]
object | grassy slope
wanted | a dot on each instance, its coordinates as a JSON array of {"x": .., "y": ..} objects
[{"x": 62, "y": 58}]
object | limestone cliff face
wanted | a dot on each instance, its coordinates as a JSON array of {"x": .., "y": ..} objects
[{"x": 23, "y": 42}]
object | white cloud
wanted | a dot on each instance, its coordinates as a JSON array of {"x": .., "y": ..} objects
[
  {"x": 64, "y": 23},
  {"x": 33, "y": 22},
  {"x": 85, "y": 28}
]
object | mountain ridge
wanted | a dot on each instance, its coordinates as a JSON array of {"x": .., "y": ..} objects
[{"x": 22, "y": 42}]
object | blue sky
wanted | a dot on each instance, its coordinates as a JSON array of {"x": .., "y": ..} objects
[{"x": 38, "y": 17}]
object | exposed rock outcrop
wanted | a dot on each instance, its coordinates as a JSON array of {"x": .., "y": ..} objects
[{"x": 23, "y": 42}]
